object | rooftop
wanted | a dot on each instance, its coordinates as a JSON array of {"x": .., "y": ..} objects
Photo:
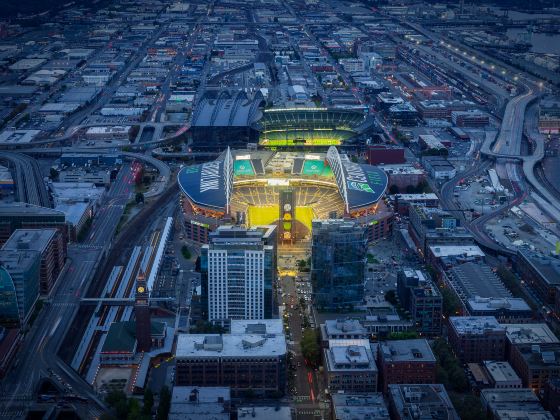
[
  {"x": 277, "y": 412},
  {"x": 350, "y": 357},
  {"x": 230, "y": 345},
  {"x": 366, "y": 406},
  {"x": 31, "y": 239},
  {"x": 426, "y": 401},
  {"x": 472, "y": 279},
  {"x": 475, "y": 325},
  {"x": 495, "y": 304},
  {"x": 530, "y": 334},
  {"x": 407, "y": 350},
  {"x": 256, "y": 326},
  {"x": 440, "y": 251},
  {"x": 501, "y": 372},
  {"x": 204, "y": 403},
  {"x": 18, "y": 209},
  {"x": 548, "y": 267}
]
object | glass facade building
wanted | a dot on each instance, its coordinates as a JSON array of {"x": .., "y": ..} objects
[
  {"x": 338, "y": 259},
  {"x": 20, "y": 275}
]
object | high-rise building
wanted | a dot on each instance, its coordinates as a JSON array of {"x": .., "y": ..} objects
[
  {"x": 338, "y": 258},
  {"x": 142, "y": 313},
  {"x": 238, "y": 268},
  {"x": 19, "y": 285}
]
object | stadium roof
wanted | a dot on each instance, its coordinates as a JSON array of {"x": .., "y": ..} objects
[
  {"x": 227, "y": 110},
  {"x": 360, "y": 185},
  {"x": 208, "y": 184}
]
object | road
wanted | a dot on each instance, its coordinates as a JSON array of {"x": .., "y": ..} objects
[
  {"x": 30, "y": 186},
  {"x": 39, "y": 350}
]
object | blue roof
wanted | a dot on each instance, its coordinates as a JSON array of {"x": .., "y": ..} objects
[{"x": 204, "y": 184}]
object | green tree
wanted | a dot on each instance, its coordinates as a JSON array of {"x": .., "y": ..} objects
[
  {"x": 394, "y": 189},
  {"x": 310, "y": 347},
  {"x": 185, "y": 251},
  {"x": 451, "y": 304},
  {"x": 119, "y": 402},
  {"x": 53, "y": 173},
  {"x": 164, "y": 404},
  {"x": 133, "y": 409},
  {"x": 148, "y": 402},
  {"x": 139, "y": 198}
]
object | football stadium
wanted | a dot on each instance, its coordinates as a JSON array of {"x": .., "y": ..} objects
[{"x": 289, "y": 189}]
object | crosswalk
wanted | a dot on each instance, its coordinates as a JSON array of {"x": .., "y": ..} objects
[
  {"x": 12, "y": 414},
  {"x": 87, "y": 246}
]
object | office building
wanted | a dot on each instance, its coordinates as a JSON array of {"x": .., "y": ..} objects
[
  {"x": 338, "y": 259},
  {"x": 238, "y": 268},
  {"x": 359, "y": 406},
  {"x": 415, "y": 401},
  {"x": 49, "y": 244},
  {"x": 19, "y": 288},
  {"x": 350, "y": 367},
  {"x": 406, "y": 362},
  {"x": 475, "y": 339},
  {"x": 252, "y": 361},
  {"x": 27, "y": 216},
  {"x": 421, "y": 297}
]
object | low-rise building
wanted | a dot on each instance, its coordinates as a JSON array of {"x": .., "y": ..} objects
[
  {"x": 470, "y": 118},
  {"x": 406, "y": 362},
  {"x": 428, "y": 401},
  {"x": 403, "y": 176},
  {"x": 362, "y": 406},
  {"x": 439, "y": 167},
  {"x": 197, "y": 403},
  {"x": 351, "y": 368},
  {"x": 540, "y": 272},
  {"x": 536, "y": 364},
  {"x": 475, "y": 339},
  {"x": 505, "y": 310},
  {"x": 496, "y": 400},
  {"x": 528, "y": 334},
  {"x": 501, "y": 374}
]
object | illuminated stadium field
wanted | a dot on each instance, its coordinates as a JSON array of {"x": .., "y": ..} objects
[
  {"x": 309, "y": 127},
  {"x": 247, "y": 188}
]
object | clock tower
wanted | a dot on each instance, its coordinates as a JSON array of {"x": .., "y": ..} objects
[{"x": 142, "y": 313}]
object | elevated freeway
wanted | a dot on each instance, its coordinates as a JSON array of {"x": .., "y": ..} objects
[{"x": 30, "y": 186}]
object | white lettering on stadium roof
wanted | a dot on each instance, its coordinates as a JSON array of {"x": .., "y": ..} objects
[
  {"x": 210, "y": 176},
  {"x": 354, "y": 172}
]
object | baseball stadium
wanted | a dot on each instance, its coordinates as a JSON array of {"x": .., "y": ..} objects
[
  {"x": 289, "y": 189},
  {"x": 310, "y": 127}
]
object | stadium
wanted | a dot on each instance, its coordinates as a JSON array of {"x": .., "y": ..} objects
[
  {"x": 289, "y": 189},
  {"x": 238, "y": 120},
  {"x": 310, "y": 127}
]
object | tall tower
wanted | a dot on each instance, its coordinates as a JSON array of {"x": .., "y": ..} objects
[{"x": 142, "y": 313}]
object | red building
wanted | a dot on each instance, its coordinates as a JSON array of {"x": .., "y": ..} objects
[
  {"x": 406, "y": 362},
  {"x": 477, "y": 338},
  {"x": 380, "y": 154}
]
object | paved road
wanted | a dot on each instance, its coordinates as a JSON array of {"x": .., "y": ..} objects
[
  {"x": 39, "y": 350},
  {"x": 30, "y": 186}
]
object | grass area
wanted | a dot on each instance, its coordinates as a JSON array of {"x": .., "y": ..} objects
[
  {"x": 185, "y": 251},
  {"x": 125, "y": 216}
]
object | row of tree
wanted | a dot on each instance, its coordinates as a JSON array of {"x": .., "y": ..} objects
[{"x": 125, "y": 408}]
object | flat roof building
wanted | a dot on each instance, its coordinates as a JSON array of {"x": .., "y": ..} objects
[
  {"x": 505, "y": 310},
  {"x": 351, "y": 368},
  {"x": 475, "y": 339},
  {"x": 406, "y": 362},
  {"x": 28, "y": 216},
  {"x": 540, "y": 272},
  {"x": 249, "y": 361},
  {"x": 426, "y": 401},
  {"x": 50, "y": 244},
  {"x": 501, "y": 374},
  {"x": 359, "y": 406},
  {"x": 524, "y": 399},
  {"x": 200, "y": 403}
]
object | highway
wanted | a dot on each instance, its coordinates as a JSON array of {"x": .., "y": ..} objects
[
  {"x": 39, "y": 351},
  {"x": 30, "y": 186}
]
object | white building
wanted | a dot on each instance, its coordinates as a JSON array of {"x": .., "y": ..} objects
[{"x": 239, "y": 266}]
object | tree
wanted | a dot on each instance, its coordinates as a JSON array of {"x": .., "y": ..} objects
[
  {"x": 394, "y": 189},
  {"x": 148, "y": 402},
  {"x": 139, "y": 198},
  {"x": 53, "y": 173},
  {"x": 185, "y": 251},
  {"x": 301, "y": 265},
  {"x": 119, "y": 402},
  {"x": 164, "y": 404},
  {"x": 310, "y": 348},
  {"x": 451, "y": 304}
]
